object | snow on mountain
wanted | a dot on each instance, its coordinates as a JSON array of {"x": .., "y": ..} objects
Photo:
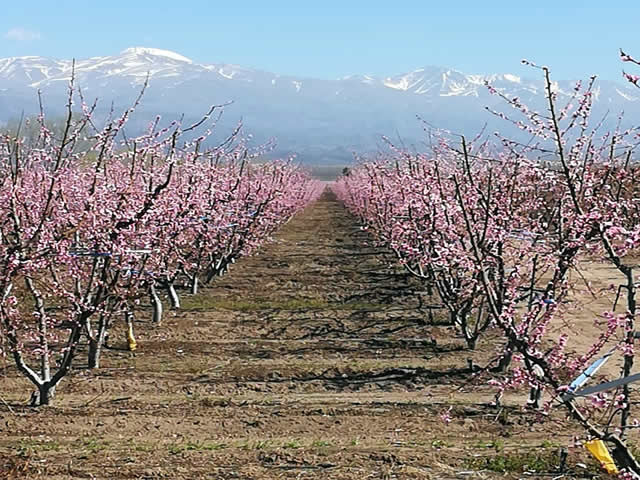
[
  {"x": 360, "y": 78},
  {"x": 156, "y": 52},
  {"x": 136, "y": 63},
  {"x": 345, "y": 114},
  {"x": 627, "y": 95},
  {"x": 29, "y": 70},
  {"x": 433, "y": 81}
]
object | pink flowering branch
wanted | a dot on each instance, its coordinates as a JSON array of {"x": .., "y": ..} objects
[{"x": 634, "y": 79}]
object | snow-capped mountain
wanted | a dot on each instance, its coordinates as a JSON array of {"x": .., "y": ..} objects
[{"x": 323, "y": 119}]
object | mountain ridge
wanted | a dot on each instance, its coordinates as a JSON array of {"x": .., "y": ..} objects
[{"x": 306, "y": 114}]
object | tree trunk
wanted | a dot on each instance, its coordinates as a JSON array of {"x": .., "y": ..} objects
[
  {"x": 157, "y": 305},
  {"x": 173, "y": 296},
  {"x": 535, "y": 394},
  {"x": 94, "y": 353},
  {"x": 505, "y": 360},
  {"x": 630, "y": 338},
  {"x": 43, "y": 396},
  {"x": 217, "y": 269},
  {"x": 472, "y": 341},
  {"x": 624, "y": 458},
  {"x": 194, "y": 285},
  {"x": 96, "y": 344}
]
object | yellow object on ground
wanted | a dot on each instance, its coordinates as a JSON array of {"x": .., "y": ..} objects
[
  {"x": 599, "y": 450},
  {"x": 131, "y": 339}
]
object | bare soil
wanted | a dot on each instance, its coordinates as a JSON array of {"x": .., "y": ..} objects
[{"x": 317, "y": 358}]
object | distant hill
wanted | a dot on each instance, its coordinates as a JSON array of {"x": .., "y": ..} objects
[{"x": 324, "y": 121}]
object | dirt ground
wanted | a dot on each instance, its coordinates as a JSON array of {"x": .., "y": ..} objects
[{"x": 315, "y": 359}]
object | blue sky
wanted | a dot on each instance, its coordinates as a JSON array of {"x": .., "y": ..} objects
[{"x": 329, "y": 39}]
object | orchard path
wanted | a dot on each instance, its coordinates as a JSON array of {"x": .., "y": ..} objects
[{"x": 315, "y": 358}]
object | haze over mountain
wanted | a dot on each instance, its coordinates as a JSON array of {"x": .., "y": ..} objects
[{"x": 323, "y": 120}]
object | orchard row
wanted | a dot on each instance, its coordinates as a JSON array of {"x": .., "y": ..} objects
[
  {"x": 93, "y": 222},
  {"x": 501, "y": 231}
]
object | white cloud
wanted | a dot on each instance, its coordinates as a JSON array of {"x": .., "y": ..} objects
[{"x": 20, "y": 34}]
